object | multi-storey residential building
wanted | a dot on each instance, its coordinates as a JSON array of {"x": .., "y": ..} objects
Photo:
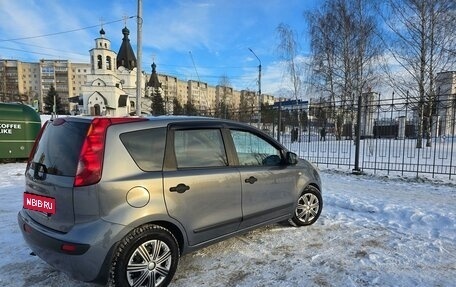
[
  {"x": 249, "y": 99},
  {"x": 268, "y": 100},
  {"x": 9, "y": 77},
  {"x": 79, "y": 72},
  {"x": 55, "y": 73},
  {"x": 30, "y": 82}
]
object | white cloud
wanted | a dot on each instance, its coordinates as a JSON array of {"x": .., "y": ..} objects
[{"x": 179, "y": 27}]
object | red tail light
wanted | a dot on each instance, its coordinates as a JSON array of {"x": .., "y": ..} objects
[{"x": 90, "y": 163}]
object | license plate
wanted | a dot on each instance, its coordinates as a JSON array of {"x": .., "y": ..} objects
[{"x": 39, "y": 203}]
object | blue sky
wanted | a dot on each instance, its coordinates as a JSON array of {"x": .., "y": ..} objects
[{"x": 216, "y": 34}]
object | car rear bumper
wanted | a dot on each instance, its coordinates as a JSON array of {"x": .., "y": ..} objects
[{"x": 84, "y": 259}]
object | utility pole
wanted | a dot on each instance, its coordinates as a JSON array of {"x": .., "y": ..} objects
[
  {"x": 139, "y": 59},
  {"x": 199, "y": 81},
  {"x": 259, "y": 87}
]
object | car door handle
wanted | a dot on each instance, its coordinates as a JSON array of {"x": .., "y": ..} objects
[
  {"x": 180, "y": 188},
  {"x": 251, "y": 180}
]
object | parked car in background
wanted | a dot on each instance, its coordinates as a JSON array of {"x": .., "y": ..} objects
[{"x": 121, "y": 199}]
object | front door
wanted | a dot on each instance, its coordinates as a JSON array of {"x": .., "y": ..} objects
[{"x": 268, "y": 185}]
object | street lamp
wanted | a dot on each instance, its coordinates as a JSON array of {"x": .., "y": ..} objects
[
  {"x": 259, "y": 71},
  {"x": 259, "y": 87}
]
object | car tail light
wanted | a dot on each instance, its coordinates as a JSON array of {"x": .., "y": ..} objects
[{"x": 90, "y": 163}]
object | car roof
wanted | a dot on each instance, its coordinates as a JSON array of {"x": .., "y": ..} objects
[
  {"x": 165, "y": 119},
  {"x": 183, "y": 120}
]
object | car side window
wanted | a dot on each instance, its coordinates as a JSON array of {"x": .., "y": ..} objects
[
  {"x": 252, "y": 150},
  {"x": 199, "y": 148},
  {"x": 146, "y": 147}
]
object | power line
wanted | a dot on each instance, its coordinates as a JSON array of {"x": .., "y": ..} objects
[
  {"x": 41, "y": 47},
  {"x": 20, "y": 50},
  {"x": 62, "y": 32},
  {"x": 194, "y": 66},
  {"x": 211, "y": 67}
]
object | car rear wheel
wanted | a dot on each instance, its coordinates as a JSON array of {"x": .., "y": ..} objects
[
  {"x": 308, "y": 208},
  {"x": 147, "y": 256}
]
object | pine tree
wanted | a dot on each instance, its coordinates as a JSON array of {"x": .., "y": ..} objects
[
  {"x": 190, "y": 109},
  {"x": 177, "y": 107},
  {"x": 158, "y": 105},
  {"x": 49, "y": 102}
]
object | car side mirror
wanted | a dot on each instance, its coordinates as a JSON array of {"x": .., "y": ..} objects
[{"x": 292, "y": 158}]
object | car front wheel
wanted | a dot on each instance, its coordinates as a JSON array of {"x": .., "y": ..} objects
[
  {"x": 308, "y": 208},
  {"x": 147, "y": 256}
]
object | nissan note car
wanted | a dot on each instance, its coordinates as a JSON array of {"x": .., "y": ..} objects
[{"x": 119, "y": 200}]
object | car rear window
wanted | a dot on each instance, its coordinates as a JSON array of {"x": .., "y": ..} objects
[
  {"x": 146, "y": 147},
  {"x": 59, "y": 147}
]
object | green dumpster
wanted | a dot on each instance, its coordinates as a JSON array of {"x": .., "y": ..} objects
[{"x": 19, "y": 126}]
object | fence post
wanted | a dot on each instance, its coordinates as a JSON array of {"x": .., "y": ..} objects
[
  {"x": 357, "y": 170},
  {"x": 279, "y": 123}
]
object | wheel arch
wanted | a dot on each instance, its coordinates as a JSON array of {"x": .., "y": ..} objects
[
  {"x": 173, "y": 227},
  {"x": 103, "y": 275},
  {"x": 313, "y": 184},
  {"x": 175, "y": 230}
]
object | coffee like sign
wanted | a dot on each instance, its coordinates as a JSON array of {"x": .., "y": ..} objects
[{"x": 8, "y": 128}]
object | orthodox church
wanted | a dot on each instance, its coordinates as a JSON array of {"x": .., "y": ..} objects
[{"x": 110, "y": 89}]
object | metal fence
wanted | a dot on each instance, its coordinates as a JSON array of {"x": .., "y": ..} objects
[
  {"x": 394, "y": 136},
  {"x": 402, "y": 136}
]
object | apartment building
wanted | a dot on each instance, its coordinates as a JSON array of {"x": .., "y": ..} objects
[{"x": 30, "y": 82}]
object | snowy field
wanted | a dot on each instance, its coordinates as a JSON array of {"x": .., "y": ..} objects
[{"x": 373, "y": 231}]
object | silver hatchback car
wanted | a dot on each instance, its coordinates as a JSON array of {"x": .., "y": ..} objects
[{"x": 119, "y": 200}]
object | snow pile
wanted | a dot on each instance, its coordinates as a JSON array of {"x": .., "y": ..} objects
[{"x": 373, "y": 231}]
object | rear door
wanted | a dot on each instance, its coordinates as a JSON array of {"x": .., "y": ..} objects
[
  {"x": 50, "y": 174},
  {"x": 201, "y": 190}
]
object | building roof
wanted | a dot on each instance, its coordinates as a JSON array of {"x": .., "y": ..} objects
[
  {"x": 291, "y": 103},
  {"x": 153, "y": 80},
  {"x": 126, "y": 57}
]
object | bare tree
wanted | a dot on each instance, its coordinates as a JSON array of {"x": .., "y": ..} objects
[
  {"x": 224, "y": 91},
  {"x": 345, "y": 47},
  {"x": 288, "y": 51},
  {"x": 420, "y": 37},
  {"x": 246, "y": 105}
]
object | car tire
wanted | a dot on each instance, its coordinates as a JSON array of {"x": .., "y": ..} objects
[
  {"x": 308, "y": 207},
  {"x": 147, "y": 256}
]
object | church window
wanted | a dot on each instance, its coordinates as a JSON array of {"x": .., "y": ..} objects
[
  {"x": 108, "y": 62},
  {"x": 99, "y": 62}
]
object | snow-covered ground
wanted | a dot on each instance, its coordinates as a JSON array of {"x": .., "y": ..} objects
[{"x": 373, "y": 231}]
